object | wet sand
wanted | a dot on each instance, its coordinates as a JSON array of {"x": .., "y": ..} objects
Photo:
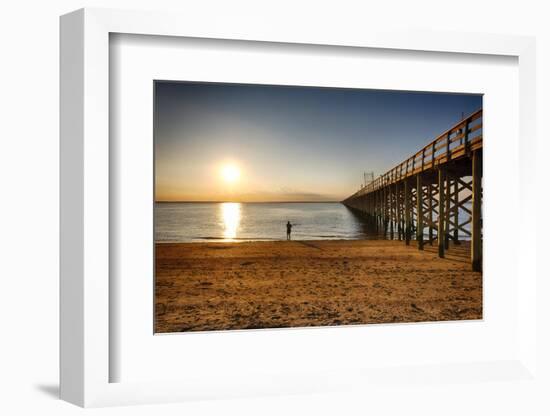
[{"x": 219, "y": 286}]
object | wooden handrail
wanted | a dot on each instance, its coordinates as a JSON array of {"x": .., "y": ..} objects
[{"x": 461, "y": 130}]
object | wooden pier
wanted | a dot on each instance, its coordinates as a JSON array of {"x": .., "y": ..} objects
[{"x": 435, "y": 195}]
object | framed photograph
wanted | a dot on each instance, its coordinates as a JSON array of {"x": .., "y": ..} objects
[
  {"x": 260, "y": 222},
  {"x": 269, "y": 212}
]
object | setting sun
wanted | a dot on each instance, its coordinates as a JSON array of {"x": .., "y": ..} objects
[{"x": 230, "y": 173}]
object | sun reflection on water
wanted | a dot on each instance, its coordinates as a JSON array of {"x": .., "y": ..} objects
[{"x": 231, "y": 217}]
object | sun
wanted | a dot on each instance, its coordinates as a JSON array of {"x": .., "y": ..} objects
[{"x": 230, "y": 173}]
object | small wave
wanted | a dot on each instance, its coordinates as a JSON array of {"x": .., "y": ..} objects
[{"x": 237, "y": 238}]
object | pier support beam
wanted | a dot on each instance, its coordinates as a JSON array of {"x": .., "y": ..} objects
[
  {"x": 385, "y": 210},
  {"x": 455, "y": 210},
  {"x": 419, "y": 213},
  {"x": 376, "y": 210},
  {"x": 398, "y": 211},
  {"x": 392, "y": 198},
  {"x": 447, "y": 209},
  {"x": 476, "y": 212},
  {"x": 430, "y": 213},
  {"x": 441, "y": 214},
  {"x": 407, "y": 197}
]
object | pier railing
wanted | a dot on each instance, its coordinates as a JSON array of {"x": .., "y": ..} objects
[{"x": 462, "y": 138}]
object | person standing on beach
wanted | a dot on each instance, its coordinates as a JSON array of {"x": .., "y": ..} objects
[{"x": 288, "y": 230}]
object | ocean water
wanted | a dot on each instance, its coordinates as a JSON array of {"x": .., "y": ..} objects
[{"x": 231, "y": 221}]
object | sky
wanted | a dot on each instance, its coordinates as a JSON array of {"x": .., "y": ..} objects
[{"x": 259, "y": 143}]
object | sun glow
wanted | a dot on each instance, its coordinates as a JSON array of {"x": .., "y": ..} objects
[
  {"x": 230, "y": 173},
  {"x": 231, "y": 218}
]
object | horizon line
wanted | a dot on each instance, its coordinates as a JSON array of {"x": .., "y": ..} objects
[{"x": 245, "y": 202}]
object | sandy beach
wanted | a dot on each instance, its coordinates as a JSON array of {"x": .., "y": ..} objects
[{"x": 221, "y": 286}]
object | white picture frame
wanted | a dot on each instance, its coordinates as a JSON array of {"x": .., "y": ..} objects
[{"x": 85, "y": 210}]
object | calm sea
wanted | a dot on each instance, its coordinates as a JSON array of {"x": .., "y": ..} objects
[{"x": 231, "y": 221}]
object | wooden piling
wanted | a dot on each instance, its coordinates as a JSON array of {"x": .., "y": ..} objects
[
  {"x": 419, "y": 213},
  {"x": 455, "y": 211},
  {"x": 441, "y": 214},
  {"x": 447, "y": 209},
  {"x": 406, "y": 196},
  {"x": 476, "y": 250},
  {"x": 390, "y": 189},
  {"x": 385, "y": 211},
  {"x": 398, "y": 212},
  {"x": 431, "y": 217},
  {"x": 376, "y": 211}
]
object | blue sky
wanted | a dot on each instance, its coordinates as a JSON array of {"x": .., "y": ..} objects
[{"x": 288, "y": 143}]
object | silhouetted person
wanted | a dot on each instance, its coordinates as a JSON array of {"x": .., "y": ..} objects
[{"x": 288, "y": 230}]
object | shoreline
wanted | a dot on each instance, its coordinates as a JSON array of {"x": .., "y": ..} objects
[
  {"x": 221, "y": 240},
  {"x": 301, "y": 283}
]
